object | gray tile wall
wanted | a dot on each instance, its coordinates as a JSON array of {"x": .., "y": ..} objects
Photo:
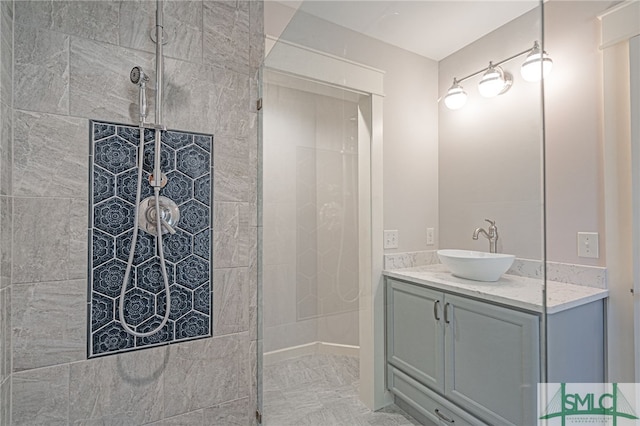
[
  {"x": 6, "y": 204},
  {"x": 71, "y": 63}
]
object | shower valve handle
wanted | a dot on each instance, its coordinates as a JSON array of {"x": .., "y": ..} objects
[{"x": 168, "y": 227}]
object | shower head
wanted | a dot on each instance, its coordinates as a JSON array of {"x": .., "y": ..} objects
[{"x": 138, "y": 76}]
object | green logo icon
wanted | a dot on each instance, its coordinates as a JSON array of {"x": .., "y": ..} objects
[{"x": 570, "y": 404}]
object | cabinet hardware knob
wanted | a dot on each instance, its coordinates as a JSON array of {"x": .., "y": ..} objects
[
  {"x": 435, "y": 310},
  {"x": 446, "y": 313},
  {"x": 443, "y": 417}
]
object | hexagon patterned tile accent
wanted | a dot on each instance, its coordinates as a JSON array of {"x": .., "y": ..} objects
[
  {"x": 167, "y": 158},
  {"x": 102, "y": 184},
  {"x": 186, "y": 161},
  {"x": 102, "y": 247},
  {"x": 114, "y": 154},
  {"x": 138, "y": 306},
  {"x": 201, "y": 244},
  {"x": 127, "y": 185},
  {"x": 193, "y": 160},
  {"x": 101, "y": 130},
  {"x": 112, "y": 338},
  {"x": 113, "y": 216},
  {"x": 194, "y": 217},
  {"x": 202, "y": 189},
  {"x": 177, "y": 140},
  {"x": 181, "y": 302},
  {"x": 201, "y": 297},
  {"x": 192, "y": 325},
  {"x": 162, "y": 336},
  {"x": 177, "y": 246},
  {"x": 192, "y": 272},
  {"x": 145, "y": 247},
  {"x": 150, "y": 276},
  {"x": 179, "y": 187},
  {"x": 101, "y": 311},
  {"x": 204, "y": 142},
  {"x": 107, "y": 278},
  {"x": 132, "y": 134}
]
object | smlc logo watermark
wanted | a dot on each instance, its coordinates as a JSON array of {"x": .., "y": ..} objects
[{"x": 610, "y": 404}]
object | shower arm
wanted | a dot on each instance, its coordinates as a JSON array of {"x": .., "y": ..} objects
[
  {"x": 159, "y": 60},
  {"x": 157, "y": 174}
]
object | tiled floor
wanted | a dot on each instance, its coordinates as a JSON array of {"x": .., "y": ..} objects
[{"x": 321, "y": 390}]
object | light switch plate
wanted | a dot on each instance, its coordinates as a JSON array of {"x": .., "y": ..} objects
[
  {"x": 390, "y": 239},
  {"x": 588, "y": 244},
  {"x": 430, "y": 236}
]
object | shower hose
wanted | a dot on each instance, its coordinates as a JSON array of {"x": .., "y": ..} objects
[{"x": 160, "y": 222}]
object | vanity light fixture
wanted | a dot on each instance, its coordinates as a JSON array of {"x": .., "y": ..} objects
[
  {"x": 495, "y": 81},
  {"x": 456, "y": 97},
  {"x": 537, "y": 65}
]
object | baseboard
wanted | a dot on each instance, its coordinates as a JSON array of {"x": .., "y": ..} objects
[
  {"x": 337, "y": 349},
  {"x": 310, "y": 349}
]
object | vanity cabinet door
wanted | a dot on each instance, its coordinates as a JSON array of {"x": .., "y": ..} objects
[
  {"x": 415, "y": 332},
  {"x": 491, "y": 359}
]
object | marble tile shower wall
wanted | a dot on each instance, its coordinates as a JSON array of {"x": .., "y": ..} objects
[{"x": 70, "y": 63}]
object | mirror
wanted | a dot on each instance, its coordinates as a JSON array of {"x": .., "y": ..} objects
[{"x": 442, "y": 173}]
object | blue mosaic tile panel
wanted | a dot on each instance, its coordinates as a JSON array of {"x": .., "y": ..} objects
[{"x": 186, "y": 160}]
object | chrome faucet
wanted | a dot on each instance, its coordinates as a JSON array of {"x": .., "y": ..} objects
[{"x": 492, "y": 235}]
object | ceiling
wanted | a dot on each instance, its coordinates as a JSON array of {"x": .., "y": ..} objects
[{"x": 434, "y": 29}]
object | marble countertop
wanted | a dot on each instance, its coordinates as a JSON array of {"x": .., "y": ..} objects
[{"x": 511, "y": 290}]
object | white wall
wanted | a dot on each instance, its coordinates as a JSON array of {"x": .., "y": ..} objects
[
  {"x": 576, "y": 108},
  {"x": 573, "y": 122},
  {"x": 490, "y": 162},
  {"x": 410, "y": 118},
  {"x": 575, "y": 198},
  {"x": 490, "y": 151}
]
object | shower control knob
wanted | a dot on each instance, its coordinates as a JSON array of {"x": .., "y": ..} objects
[{"x": 169, "y": 214}]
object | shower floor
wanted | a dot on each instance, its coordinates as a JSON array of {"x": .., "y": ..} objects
[{"x": 321, "y": 390}]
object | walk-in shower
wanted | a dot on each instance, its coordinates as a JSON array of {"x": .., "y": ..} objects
[
  {"x": 311, "y": 244},
  {"x": 151, "y": 226},
  {"x": 310, "y": 214}
]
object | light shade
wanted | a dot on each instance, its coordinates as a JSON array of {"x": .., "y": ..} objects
[
  {"x": 494, "y": 82},
  {"x": 537, "y": 65},
  {"x": 456, "y": 97}
]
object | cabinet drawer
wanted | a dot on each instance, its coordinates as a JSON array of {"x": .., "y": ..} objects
[{"x": 426, "y": 402}]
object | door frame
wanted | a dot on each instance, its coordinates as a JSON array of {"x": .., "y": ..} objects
[
  {"x": 620, "y": 24},
  {"x": 302, "y": 62}
]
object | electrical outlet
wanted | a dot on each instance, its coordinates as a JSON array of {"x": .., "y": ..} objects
[
  {"x": 390, "y": 239},
  {"x": 430, "y": 236},
  {"x": 588, "y": 244}
]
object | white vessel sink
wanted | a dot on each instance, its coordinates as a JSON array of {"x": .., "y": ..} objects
[{"x": 476, "y": 265}]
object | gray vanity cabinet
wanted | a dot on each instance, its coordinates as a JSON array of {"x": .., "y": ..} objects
[
  {"x": 461, "y": 356},
  {"x": 491, "y": 360},
  {"x": 415, "y": 332}
]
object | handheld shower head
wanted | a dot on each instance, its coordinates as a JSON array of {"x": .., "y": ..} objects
[{"x": 138, "y": 76}]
